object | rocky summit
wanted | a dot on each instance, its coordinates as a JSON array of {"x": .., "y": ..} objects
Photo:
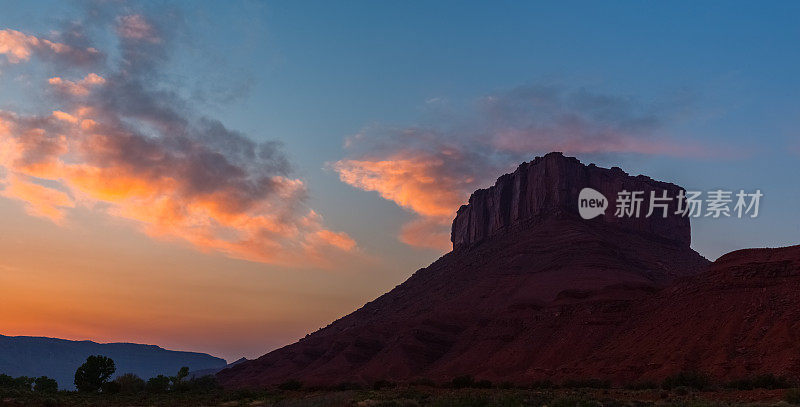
[
  {"x": 533, "y": 291},
  {"x": 549, "y": 187}
]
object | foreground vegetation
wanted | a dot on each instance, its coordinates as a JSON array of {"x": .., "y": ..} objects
[
  {"x": 681, "y": 390},
  {"x": 93, "y": 379},
  {"x": 415, "y": 396}
]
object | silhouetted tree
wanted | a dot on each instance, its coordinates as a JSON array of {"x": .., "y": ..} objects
[
  {"x": 182, "y": 373},
  {"x": 45, "y": 384},
  {"x": 91, "y": 375},
  {"x": 158, "y": 384},
  {"x": 129, "y": 383},
  {"x": 22, "y": 383}
]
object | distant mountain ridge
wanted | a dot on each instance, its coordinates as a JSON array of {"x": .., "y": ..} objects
[{"x": 59, "y": 358}]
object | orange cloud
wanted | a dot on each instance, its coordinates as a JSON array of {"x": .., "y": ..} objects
[
  {"x": 39, "y": 200},
  {"x": 419, "y": 181},
  {"x": 19, "y": 47},
  {"x": 129, "y": 147},
  {"x": 91, "y": 167},
  {"x": 413, "y": 182},
  {"x": 79, "y": 88}
]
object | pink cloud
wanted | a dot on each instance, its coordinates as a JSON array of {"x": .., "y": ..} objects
[
  {"x": 116, "y": 142},
  {"x": 19, "y": 47},
  {"x": 136, "y": 27},
  {"x": 77, "y": 88}
]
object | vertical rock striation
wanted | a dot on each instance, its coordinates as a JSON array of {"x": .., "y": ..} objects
[{"x": 548, "y": 187}]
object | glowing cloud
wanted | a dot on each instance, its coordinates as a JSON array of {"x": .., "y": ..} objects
[
  {"x": 431, "y": 171},
  {"x": 79, "y": 88},
  {"x": 19, "y": 47},
  {"x": 117, "y": 142}
]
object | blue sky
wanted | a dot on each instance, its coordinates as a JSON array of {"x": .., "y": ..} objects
[{"x": 720, "y": 78}]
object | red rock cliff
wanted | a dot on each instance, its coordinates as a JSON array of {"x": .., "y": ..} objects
[{"x": 549, "y": 186}]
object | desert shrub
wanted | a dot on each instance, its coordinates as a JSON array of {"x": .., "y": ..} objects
[
  {"x": 129, "y": 383},
  {"x": 110, "y": 388},
  {"x": 383, "y": 384},
  {"x": 792, "y": 396},
  {"x": 477, "y": 400},
  {"x": 410, "y": 393},
  {"x": 198, "y": 385},
  {"x": 770, "y": 381},
  {"x": 690, "y": 379},
  {"x": 21, "y": 383},
  {"x": 291, "y": 385},
  {"x": 765, "y": 381},
  {"x": 45, "y": 384},
  {"x": 573, "y": 402},
  {"x": 646, "y": 385},
  {"x": 423, "y": 382},
  {"x": 587, "y": 384},
  {"x": 158, "y": 384},
  {"x": 343, "y": 386},
  {"x": 91, "y": 375},
  {"x": 506, "y": 385},
  {"x": 462, "y": 382},
  {"x": 543, "y": 385}
]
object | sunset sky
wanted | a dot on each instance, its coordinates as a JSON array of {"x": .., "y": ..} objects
[{"x": 225, "y": 177}]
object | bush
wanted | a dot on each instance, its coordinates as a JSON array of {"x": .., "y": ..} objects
[
  {"x": 483, "y": 384},
  {"x": 383, "y": 384},
  {"x": 543, "y": 384},
  {"x": 506, "y": 385},
  {"x": 343, "y": 386},
  {"x": 158, "y": 384},
  {"x": 765, "y": 381},
  {"x": 462, "y": 382},
  {"x": 110, "y": 388},
  {"x": 691, "y": 379},
  {"x": 587, "y": 384},
  {"x": 129, "y": 383},
  {"x": 423, "y": 382},
  {"x": 22, "y": 383},
  {"x": 291, "y": 385},
  {"x": 203, "y": 384},
  {"x": 91, "y": 375},
  {"x": 646, "y": 385},
  {"x": 45, "y": 384},
  {"x": 792, "y": 396}
]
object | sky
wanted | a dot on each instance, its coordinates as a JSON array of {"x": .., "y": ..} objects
[{"x": 226, "y": 177}]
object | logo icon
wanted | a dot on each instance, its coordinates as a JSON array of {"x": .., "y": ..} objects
[{"x": 591, "y": 203}]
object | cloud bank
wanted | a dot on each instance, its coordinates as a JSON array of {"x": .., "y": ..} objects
[
  {"x": 119, "y": 140},
  {"x": 431, "y": 170}
]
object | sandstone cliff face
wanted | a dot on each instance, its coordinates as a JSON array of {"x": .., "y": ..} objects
[{"x": 548, "y": 187}]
